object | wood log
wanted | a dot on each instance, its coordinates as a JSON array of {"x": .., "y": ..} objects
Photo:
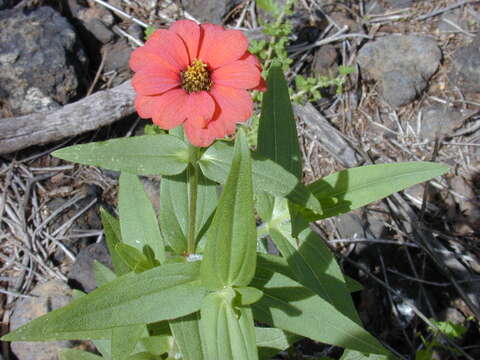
[
  {"x": 328, "y": 136},
  {"x": 90, "y": 113}
]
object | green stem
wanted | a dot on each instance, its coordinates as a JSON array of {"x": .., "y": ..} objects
[{"x": 192, "y": 199}]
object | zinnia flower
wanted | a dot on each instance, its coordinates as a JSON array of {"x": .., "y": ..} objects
[{"x": 198, "y": 76}]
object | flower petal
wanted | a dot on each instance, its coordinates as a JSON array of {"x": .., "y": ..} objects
[
  {"x": 252, "y": 59},
  {"x": 189, "y": 31},
  {"x": 219, "y": 46},
  {"x": 146, "y": 105},
  {"x": 262, "y": 86},
  {"x": 238, "y": 74},
  {"x": 155, "y": 81},
  {"x": 143, "y": 58},
  {"x": 199, "y": 109},
  {"x": 235, "y": 105},
  {"x": 169, "y": 109},
  {"x": 170, "y": 47},
  {"x": 201, "y": 137}
]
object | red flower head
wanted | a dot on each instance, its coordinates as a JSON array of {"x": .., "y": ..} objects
[{"x": 196, "y": 75}]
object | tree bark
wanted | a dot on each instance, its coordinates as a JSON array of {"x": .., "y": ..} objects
[{"x": 90, "y": 113}]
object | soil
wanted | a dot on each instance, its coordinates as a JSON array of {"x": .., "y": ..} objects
[{"x": 416, "y": 253}]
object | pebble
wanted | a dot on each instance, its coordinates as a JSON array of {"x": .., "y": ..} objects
[
  {"x": 46, "y": 297},
  {"x": 41, "y": 60},
  {"x": 211, "y": 11},
  {"x": 402, "y": 65},
  {"x": 465, "y": 67},
  {"x": 325, "y": 61},
  {"x": 82, "y": 272},
  {"x": 439, "y": 121}
]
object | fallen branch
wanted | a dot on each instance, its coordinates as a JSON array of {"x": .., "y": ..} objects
[
  {"x": 90, "y": 113},
  {"x": 328, "y": 136}
]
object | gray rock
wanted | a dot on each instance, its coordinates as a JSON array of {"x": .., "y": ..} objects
[
  {"x": 450, "y": 19},
  {"x": 5, "y": 4},
  {"x": 325, "y": 61},
  {"x": 45, "y": 298},
  {"x": 402, "y": 64},
  {"x": 211, "y": 11},
  {"x": 40, "y": 59},
  {"x": 99, "y": 30},
  {"x": 439, "y": 121},
  {"x": 374, "y": 7},
  {"x": 97, "y": 22},
  {"x": 136, "y": 31},
  {"x": 465, "y": 67},
  {"x": 82, "y": 270},
  {"x": 342, "y": 19},
  {"x": 117, "y": 56},
  {"x": 399, "y": 4}
]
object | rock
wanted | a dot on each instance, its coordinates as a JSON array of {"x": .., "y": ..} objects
[
  {"x": 325, "y": 61},
  {"x": 211, "y": 11},
  {"x": 381, "y": 6},
  {"x": 439, "y": 121},
  {"x": 465, "y": 67},
  {"x": 117, "y": 56},
  {"x": 97, "y": 20},
  {"x": 452, "y": 315},
  {"x": 342, "y": 19},
  {"x": 402, "y": 64},
  {"x": 136, "y": 31},
  {"x": 82, "y": 271},
  {"x": 40, "y": 60},
  {"x": 399, "y": 4},
  {"x": 449, "y": 18},
  {"x": 46, "y": 297},
  {"x": 4, "y": 4},
  {"x": 100, "y": 31}
]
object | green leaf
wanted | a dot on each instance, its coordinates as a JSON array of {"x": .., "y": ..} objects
[
  {"x": 425, "y": 354},
  {"x": 73, "y": 354},
  {"x": 350, "y": 189},
  {"x": 227, "y": 331},
  {"x": 277, "y": 132},
  {"x": 269, "y": 6},
  {"x": 271, "y": 341},
  {"x": 314, "y": 266},
  {"x": 230, "y": 253},
  {"x": 152, "y": 129},
  {"x": 267, "y": 175},
  {"x": 346, "y": 70},
  {"x": 186, "y": 331},
  {"x": 174, "y": 192},
  {"x": 124, "y": 340},
  {"x": 145, "y": 356},
  {"x": 141, "y": 155},
  {"x": 265, "y": 204},
  {"x": 104, "y": 346},
  {"x": 111, "y": 229},
  {"x": 134, "y": 259},
  {"x": 158, "y": 344},
  {"x": 355, "y": 355},
  {"x": 138, "y": 220},
  {"x": 165, "y": 292},
  {"x": 288, "y": 305},
  {"x": 149, "y": 31},
  {"x": 247, "y": 295},
  {"x": 352, "y": 284},
  {"x": 103, "y": 275},
  {"x": 448, "y": 328}
]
